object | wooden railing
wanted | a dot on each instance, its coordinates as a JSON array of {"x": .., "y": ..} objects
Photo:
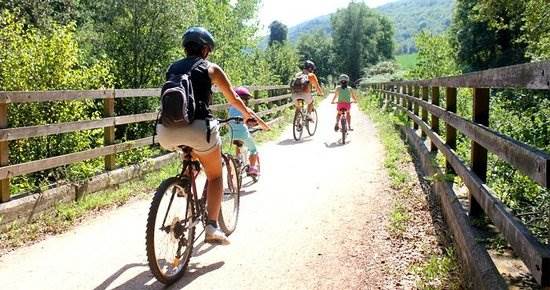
[
  {"x": 277, "y": 100},
  {"x": 411, "y": 96}
]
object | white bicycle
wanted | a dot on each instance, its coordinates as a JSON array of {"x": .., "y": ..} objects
[{"x": 242, "y": 159}]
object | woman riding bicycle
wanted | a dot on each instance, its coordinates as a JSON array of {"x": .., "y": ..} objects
[
  {"x": 344, "y": 94},
  {"x": 240, "y": 133},
  {"x": 198, "y": 43}
]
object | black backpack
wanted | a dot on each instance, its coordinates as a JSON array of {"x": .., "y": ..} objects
[
  {"x": 300, "y": 83},
  {"x": 177, "y": 102}
]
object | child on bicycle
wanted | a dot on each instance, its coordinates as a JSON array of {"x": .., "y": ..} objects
[
  {"x": 345, "y": 95},
  {"x": 240, "y": 133}
]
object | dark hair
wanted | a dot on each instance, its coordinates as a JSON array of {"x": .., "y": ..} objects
[
  {"x": 344, "y": 84},
  {"x": 193, "y": 49}
]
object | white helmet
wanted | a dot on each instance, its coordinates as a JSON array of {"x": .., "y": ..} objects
[{"x": 344, "y": 77}]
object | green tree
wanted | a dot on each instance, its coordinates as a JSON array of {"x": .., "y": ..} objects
[
  {"x": 435, "y": 57},
  {"x": 359, "y": 34},
  {"x": 317, "y": 46},
  {"x": 283, "y": 60},
  {"x": 140, "y": 37},
  {"x": 278, "y": 32},
  {"x": 42, "y": 14},
  {"x": 31, "y": 59},
  {"x": 487, "y": 33},
  {"x": 537, "y": 29}
]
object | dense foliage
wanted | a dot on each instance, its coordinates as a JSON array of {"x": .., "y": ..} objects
[
  {"x": 435, "y": 57},
  {"x": 318, "y": 46},
  {"x": 482, "y": 43},
  {"x": 31, "y": 59},
  {"x": 361, "y": 37}
]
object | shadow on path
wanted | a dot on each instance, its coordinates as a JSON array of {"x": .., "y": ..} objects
[
  {"x": 245, "y": 193},
  {"x": 335, "y": 144},
  {"x": 294, "y": 142},
  {"x": 141, "y": 281}
]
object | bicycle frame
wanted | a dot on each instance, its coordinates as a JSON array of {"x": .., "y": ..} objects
[{"x": 189, "y": 173}]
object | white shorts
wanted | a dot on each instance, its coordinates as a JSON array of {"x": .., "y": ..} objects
[
  {"x": 307, "y": 97},
  {"x": 193, "y": 135}
]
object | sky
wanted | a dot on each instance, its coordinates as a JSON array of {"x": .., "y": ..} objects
[{"x": 292, "y": 12}]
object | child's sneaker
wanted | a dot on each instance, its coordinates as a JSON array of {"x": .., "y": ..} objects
[
  {"x": 253, "y": 171},
  {"x": 336, "y": 127}
]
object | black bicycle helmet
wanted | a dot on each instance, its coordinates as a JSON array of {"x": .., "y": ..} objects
[
  {"x": 198, "y": 35},
  {"x": 308, "y": 64}
]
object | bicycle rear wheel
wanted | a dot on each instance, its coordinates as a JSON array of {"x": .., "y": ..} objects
[
  {"x": 312, "y": 125},
  {"x": 343, "y": 128},
  {"x": 229, "y": 212},
  {"x": 170, "y": 232},
  {"x": 297, "y": 125}
]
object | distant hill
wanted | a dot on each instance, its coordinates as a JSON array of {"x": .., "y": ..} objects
[
  {"x": 413, "y": 16},
  {"x": 321, "y": 22},
  {"x": 409, "y": 17}
]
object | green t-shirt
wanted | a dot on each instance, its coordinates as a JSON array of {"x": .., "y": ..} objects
[{"x": 344, "y": 95}]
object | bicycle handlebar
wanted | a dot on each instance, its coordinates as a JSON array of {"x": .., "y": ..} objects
[{"x": 238, "y": 119}]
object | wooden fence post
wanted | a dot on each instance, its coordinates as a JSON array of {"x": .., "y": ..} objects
[
  {"x": 256, "y": 98},
  {"x": 480, "y": 115},
  {"x": 4, "y": 154},
  {"x": 109, "y": 132},
  {"x": 450, "y": 100},
  {"x": 400, "y": 99},
  {"x": 435, "y": 120},
  {"x": 425, "y": 96},
  {"x": 409, "y": 103},
  {"x": 416, "y": 95}
]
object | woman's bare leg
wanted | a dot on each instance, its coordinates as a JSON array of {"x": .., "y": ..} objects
[{"x": 212, "y": 164}]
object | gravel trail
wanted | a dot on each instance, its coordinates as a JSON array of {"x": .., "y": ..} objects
[{"x": 315, "y": 220}]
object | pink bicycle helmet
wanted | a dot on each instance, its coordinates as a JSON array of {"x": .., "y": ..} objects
[{"x": 243, "y": 92}]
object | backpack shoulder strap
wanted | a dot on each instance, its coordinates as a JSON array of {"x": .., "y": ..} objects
[{"x": 195, "y": 65}]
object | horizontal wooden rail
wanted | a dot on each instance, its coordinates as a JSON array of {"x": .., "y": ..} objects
[
  {"x": 38, "y": 165},
  {"x": 531, "y": 161},
  {"x": 535, "y": 255},
  {"x": 276, "y": 109},
  {"x": 45, "y": 96},
  {"x": 534, "y": 76},
  {"x": 11, "y": 134},
  {"x": 52, "y": 129},
  {"x": 74, "y": 95},
  {"x": 108, "y": 124},
  {"x": 268, "y": 100}
]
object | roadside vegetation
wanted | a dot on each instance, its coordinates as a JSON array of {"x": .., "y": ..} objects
[
  {"x": 439, "y": 268},
  {"x": 474, "y": 42}
]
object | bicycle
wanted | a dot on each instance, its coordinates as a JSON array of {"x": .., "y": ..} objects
[
  {"x": 170, "y": 236},
  {"x": 343, "y": 124},
  {"x": 242, "y": 160},
  {"x": 301, "y": 118}
]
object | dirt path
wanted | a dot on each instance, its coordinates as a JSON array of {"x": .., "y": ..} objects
[{"x": 315, "y": 220}]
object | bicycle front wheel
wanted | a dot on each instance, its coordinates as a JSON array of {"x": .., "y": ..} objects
[
  {"x": 170, "y": 232},
  {"x": 312, "y": 125},
  {"x": 229, "y": 212},
  {"x": 297, "y": 125}
]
